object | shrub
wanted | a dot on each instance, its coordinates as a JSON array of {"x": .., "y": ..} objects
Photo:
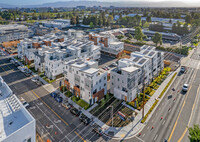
[
  {"x": 148, "y": 90},
  {"x": 152, "y": 92},
  {"x": 63, "y": 89},
  {"x": 150, "y": 110},
  {"x": 68, "y": 94}
]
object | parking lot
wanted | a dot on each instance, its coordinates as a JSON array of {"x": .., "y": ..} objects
[{"x": 53, "y": 121}]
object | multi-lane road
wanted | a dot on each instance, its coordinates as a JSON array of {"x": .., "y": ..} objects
[{"x": 52, "y": 120}]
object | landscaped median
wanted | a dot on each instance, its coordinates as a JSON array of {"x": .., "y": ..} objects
[
  {"x": 150, "y": 110},
  {"x": 160, "y": 96}
]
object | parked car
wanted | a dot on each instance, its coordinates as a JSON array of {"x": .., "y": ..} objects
[
  {"x": 97, "y": 129},
  {"x": 16, "y": 64},
  {"x": 114, "y": 64},
  {"x": 75, "y": 111},
  {"x": 54, "y": 95},
  {"x": 66, "y": 105},
  {"x": 185, "y": 87},
  {"x": 24, "y": 103},
  {"x": 59, "y": 99},
  {"x": 34, "y": 79},
  {"x": 182, "y": 69},
  {"x": 84, "y": 119}
]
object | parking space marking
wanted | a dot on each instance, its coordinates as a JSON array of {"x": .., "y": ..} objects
[
  {"x": 50, "y": 108},
  {"x": 50, "y": 120}
]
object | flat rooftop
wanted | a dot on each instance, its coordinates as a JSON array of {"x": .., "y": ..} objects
[
  {"x": 129, "y": 69},
  {"x": 13, "y": 115}
]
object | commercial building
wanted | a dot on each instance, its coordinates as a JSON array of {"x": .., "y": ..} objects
[
  {"x": 14, "y": 32},
  {"x": 148, "y": 33},
  {"x": 57, "y": 23},
  {"x": 128, "y": 78},
  {"x": 16, "y": 123},
  {"x": 85, "y": 80},
  {"x": 109, "y": 44}
]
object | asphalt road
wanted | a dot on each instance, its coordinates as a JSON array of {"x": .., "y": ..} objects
[{"x": 52, "y": 120}]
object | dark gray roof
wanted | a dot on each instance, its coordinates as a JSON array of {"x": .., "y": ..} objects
[{"x": 142, "y": 61}]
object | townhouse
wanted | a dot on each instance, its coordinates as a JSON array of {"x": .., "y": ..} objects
[
  {"x": 49, "y": 52},
  {"x": 128, "y": 79},
  {"x": 85, "y": 80},
  {"x": 109, "y": 44}
]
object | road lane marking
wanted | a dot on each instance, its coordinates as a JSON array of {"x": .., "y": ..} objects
[
  {"x": 155, "y": 137},
  {"x": 190, "y": 117},
  {"x": 163, "y": 122},
  {"x": 80, "y": 136},
  {"x": 50, "y": 108},
  {"x": 4, "y": 70},
  {"x": 169, "y": 139},
  {"x": 143, "y": 135}
]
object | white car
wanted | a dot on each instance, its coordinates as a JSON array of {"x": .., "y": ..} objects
[
  {"x": 22, "y": 69},
  {"x": 34, "y": 79},
  {"x": 185, "y": 87},
  {"x": 24, "y": 103}
]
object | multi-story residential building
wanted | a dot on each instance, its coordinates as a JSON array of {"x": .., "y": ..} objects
[
  {"x": 49, "y": 52},
  {"x": 16, "y": 123},
  {"x": 124, "y": 80},
  {"x": 109, "y": 44},
  {"x": 14, "y": 32},
  {"x": 57, "y": 23},
  {"x": 85, "y": 80},
  {"x": 128, "y": 78}
]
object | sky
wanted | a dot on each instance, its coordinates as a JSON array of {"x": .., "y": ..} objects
[{"x": 34, "y": 2}]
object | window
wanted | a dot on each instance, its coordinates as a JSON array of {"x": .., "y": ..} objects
[
  {"x": 104, "y": 84},
  {"x": 100, "y": 81},
  {"x": 112, "y": 83},
  {"x": 118, "y": 79},
  {"x": 29, "y": 140},
  {"x": 104, "y": 78}
]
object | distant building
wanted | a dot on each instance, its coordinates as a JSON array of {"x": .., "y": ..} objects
[
  {"x": 57, "y": 23},
  {"x": 14, "y": 32},
  {"x": 16, "y": 123},
  {"x": 109, "y": 44}
]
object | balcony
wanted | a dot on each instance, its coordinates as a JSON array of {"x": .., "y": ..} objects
[{"x": 77, "y": 91}]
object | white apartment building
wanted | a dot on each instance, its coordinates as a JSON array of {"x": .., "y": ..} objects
[
  {"x": 128, "y": 78},
  {"x": 16, "y": 123},
  {"x": 49, "y": 52},
  {"x": 57, "y": 23},
  {"x": 14, "y": 32},
  {"x": 85, "y": 80},
  {"x": 109, "y": 44},
  {"x": 124, "y": 80}
]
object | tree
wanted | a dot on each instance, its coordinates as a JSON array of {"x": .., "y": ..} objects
[
  {"x": 194, "y": 134},
  {"x": 73, "y": 20},
  {"x": 91, "y": 25},
  {"x": 77, "y": 20},
  {"x": 84, "y": 20},
  {"x": 148, "y": 19},
  {"x": 129, "y": 36},
  {"x": 157, "y": 38},
  {"x": 138, "y": 34},
  {"x": 188, "y": 18}
]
